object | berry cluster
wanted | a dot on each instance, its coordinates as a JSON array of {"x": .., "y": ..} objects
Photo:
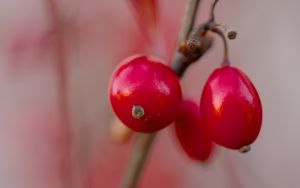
[{"x": 146, "y": 96}]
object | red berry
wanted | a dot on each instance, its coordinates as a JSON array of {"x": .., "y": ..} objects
[
  {"x": 145, "y": 94},
  {"x": 231, "y": 108},
  {"x": 191, "y": 132}
]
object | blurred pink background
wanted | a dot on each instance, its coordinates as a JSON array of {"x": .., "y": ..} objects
[{"x": 40, "y": 148}]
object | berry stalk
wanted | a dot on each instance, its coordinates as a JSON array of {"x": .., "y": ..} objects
[{"x": 142, "y": 146}]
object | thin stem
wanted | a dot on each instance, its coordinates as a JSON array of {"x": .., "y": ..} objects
[
  {"x": 212, "y": 11},
  {"x": 221, "y": 34},
  {"x": 143, "y": 143},
  {"x": 223, "y": 26},
  {"x": 139, "y": 155}
]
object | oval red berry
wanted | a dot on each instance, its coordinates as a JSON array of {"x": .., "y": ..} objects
[{"x": 231, "y": 108}]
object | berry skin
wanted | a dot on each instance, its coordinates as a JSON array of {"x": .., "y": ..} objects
[
  {"x": 191, "y": 132},
  {"x": 145, "y": 94},
  {"x": 231, "y": 108}
]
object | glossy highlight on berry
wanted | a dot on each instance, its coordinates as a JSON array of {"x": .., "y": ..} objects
[
  {"x": 231, "y": 108},
  {"x": 145, "y": 94}
]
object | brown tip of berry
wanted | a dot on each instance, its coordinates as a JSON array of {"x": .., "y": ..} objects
[
  {"x": 137, "y": 112},
  {"x": 231, "y": 34},
  {"x": 245, "y": 149}
]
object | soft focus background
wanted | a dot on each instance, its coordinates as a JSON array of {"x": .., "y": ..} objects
[{"x": 51, "y": 138}]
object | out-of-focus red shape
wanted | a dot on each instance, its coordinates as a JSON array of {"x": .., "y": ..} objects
[
  {"x": 146, "y": 14},
  {"x": 191, "y": 132}
]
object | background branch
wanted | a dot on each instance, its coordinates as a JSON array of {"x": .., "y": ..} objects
[{"x": 62, "y": 82}]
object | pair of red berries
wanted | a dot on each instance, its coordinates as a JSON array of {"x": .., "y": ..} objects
[{"x": 146, "y": 96}]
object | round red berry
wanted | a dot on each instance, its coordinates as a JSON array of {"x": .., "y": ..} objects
[
  {"x": 191, "y": 132},
  {"x": 145, "y": 94},
  {"x": 231, "y": 108}
]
